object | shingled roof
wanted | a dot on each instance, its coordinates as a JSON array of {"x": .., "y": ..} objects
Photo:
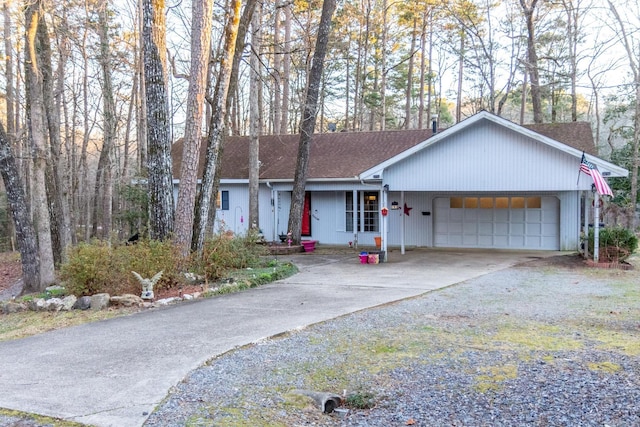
[
  {"x": 574, "y": 134},
  {"x": 347, "y": 154}
]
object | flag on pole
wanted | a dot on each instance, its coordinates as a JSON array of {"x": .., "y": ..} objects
[{"x": 592, "y": 170}]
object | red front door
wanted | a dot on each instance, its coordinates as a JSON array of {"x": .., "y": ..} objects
[{"x": 306, "y": 215}]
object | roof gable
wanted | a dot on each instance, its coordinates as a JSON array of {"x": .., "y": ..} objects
[{"x": 573, "y": 138}]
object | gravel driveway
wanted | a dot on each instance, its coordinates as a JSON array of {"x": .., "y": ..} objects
[{"x": 546, "y": 343}]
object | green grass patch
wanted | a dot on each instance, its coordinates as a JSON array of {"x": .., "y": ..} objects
[
  {"x": 531, "y": 336},
  {"x": 22, "y": 418},
  {"x": 607, "y": 367},
  {"x": 491, "y": 378},
  {"x": 623, "y": 341}
]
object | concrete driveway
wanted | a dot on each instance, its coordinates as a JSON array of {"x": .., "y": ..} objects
[{"x": 114, "y": 373}]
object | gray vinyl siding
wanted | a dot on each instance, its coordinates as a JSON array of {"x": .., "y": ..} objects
[{"x": 487, "y": 157}]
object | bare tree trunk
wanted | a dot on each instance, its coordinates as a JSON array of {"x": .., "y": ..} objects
[
  {"x": 216, "y": 126},
  {"x": 634, "y": 66},
  {"x": 523, "y": 101},
  {"x": 37, "y": 134},
  {"x": 141, "y": 113},
  {"x": 409, "y": 89},
  {"x": 286, "y": 69},
  {"x": 130, "y": 114},
  {"x": 85, "y": 200},
  {"x": 532, "y": 60},
  {"x": 572, "y": 37},
  {"x": 200, "y": 51},
  {"x": 157, "y": 119},
  {"x": 276, "y": 110},
  {"x": 307, "y": 125},
  {"x": 103, "y": 184},
  {"x": 9, "y": 60},
  {"x": 383, "y": 77},
  {"x": 63, "y": 172},
  {"x": 59, "y": 214},
  {"x": 25, "y": 233},
  {"x": 9, "y": 92},
  {"x": 423, "y": 63},
  {"x": 460, "y": 75},
  {"x": 255, "y": 121},
  {"x": 347, "y": 85}
]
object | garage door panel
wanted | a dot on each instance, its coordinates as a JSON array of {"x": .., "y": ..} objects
[
  {"x": 517, "y": 229},
  {"x": 470, "y": 228},
  {"x": 485, "y": 215},
  {"x": 501, "y": 229},
  {"x": 501, "y": 241},
  {"x": 455, "y": 240},
  {"x": 485, "y": 241},
  {"x": 517, "y": 215},
  {"x": 470, "y": 240},
  {"x": 534, "y": 229},
  {"x": 516, "y": 242},
  {"x": 534, "y": 216},
  {"x": 485, "y": 228},
  {"x": 495, "y": 223},
  {"x": 455, "y": 227},
  {"x": 456, "y": 215},
  {"x": 501, "y": 215}
]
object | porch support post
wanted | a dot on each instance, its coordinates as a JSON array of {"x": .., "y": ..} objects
[
  {"x": 585, "y": 225},
  {"x": 356, "y": 213},
  {"x": 596, "y": 226},
  {"x": 385, "y": 224},
  {"x": 402, "y": 225},
  {"x": 276, "y": 213}
]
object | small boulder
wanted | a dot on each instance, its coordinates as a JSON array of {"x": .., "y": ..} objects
[
  {"x": 127, "y": 300},
  {"x": 53, "y": 304},
  {"x": 83, "y": 303},
  {"x": 38, "y": 304},
  {"x": 68, "y": 302},
  {"x": 100, "y": 301},
  {"x": 167, "y": 301},
  {"x": 10, "y": 307}
]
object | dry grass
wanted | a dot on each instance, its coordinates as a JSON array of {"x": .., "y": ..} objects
[{"x": 24, "y": 324}]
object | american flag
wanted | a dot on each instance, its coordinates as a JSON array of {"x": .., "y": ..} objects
[{"x": 592, "y": 170}]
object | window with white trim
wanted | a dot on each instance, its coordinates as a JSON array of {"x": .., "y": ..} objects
[{"x": 366, "y": 209}]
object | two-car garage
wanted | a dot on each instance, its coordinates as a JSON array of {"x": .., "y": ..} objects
[{"x": 500, "y": 222}]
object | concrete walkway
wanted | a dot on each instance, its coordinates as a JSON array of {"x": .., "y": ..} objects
[{"x": 114, "y": 373}]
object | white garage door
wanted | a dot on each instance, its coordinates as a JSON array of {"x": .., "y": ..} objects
[{"x": 531, "y": 222}]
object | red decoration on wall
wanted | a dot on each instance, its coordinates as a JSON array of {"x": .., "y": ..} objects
[
  {"x": 384, "y": 211},
  {"x": 407, "y": 210}
]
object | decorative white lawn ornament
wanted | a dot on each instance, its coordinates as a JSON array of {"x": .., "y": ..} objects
[{"x": 148, "y": 284}]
